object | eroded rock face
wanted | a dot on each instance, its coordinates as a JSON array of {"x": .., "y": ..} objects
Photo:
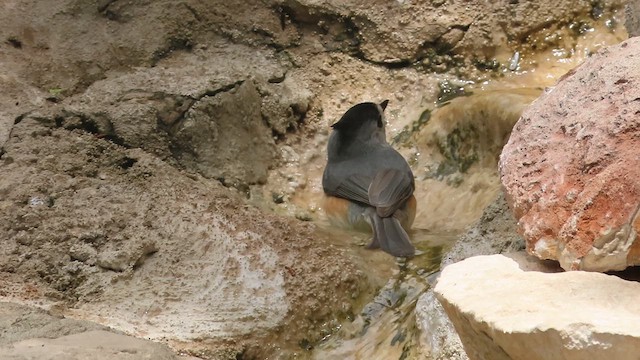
[
  {"x": 201, "y": 110},
  {"x": 503, "y": 311},
  {"x": 570, "y": 169},
  {"x": 137, "y": 245},
  {"x": 205, "y": 117},
  {"x": 431, "y": 31},
  {"x": 223, "y": 137}
]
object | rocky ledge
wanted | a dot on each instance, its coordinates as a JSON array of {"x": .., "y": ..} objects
[{"x": 503, "y": 311}]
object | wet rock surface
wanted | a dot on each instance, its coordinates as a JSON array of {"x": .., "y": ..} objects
[
  {"x": 439, "y": 338},
  {"x": 458, "y": 145},
  {"x": 569, "y": 166},
  {"x": 530, "y": 314},
  {"x": 494, "y": 233}
]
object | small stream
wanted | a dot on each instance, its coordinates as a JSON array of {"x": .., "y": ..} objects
[{"x": 448, "y": 201}]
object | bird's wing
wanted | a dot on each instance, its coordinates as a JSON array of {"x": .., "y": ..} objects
[
  {"x": 355, "y": 187},
  {"x": 388, "y": 191},
  {"x": 352, "y": 187}
]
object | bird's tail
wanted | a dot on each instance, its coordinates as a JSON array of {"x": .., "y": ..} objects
[{"x": 389, "y": 236}]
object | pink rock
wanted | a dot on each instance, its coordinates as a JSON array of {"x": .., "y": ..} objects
[{"x": 571, "y": 168}]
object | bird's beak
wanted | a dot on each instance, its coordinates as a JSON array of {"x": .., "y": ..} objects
[{"x": 383, "y": 104}]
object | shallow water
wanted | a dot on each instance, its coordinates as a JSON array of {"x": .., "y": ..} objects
[{"x": 385, "y": 328}]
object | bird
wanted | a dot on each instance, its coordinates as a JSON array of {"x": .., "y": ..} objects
[{"x": 367, "y": 183}]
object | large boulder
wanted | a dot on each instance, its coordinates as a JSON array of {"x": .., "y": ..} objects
[
  {"x": 503, "y": 310},
  {"x": 126, "y": 240},
  {"x": 570, "y": 167}
]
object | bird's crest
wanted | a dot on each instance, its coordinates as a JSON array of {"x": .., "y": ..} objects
[{"x": 359, "y": 113}]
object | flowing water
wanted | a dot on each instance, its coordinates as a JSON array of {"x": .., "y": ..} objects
[{"x": 386, "y": 326}]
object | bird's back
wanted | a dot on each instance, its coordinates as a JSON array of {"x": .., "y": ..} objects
[{"x": 363, "y": 163}]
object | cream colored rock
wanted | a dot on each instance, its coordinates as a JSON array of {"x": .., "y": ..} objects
[{"x": 504, "y": 312}]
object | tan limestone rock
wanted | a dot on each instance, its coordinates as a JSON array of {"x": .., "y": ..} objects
[{"x": 504, "y": 312}]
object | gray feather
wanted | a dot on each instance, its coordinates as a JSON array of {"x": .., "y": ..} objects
[
  {"x": 391, "y": 237},
  {"x": 364, "y": 168},
  {"x": 388, "y": 191}
]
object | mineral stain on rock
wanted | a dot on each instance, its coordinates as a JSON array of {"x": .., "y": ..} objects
[{"x": 566, "y": 168}]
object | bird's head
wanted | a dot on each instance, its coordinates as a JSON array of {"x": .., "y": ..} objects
[{"x": 363, "y": 121}]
